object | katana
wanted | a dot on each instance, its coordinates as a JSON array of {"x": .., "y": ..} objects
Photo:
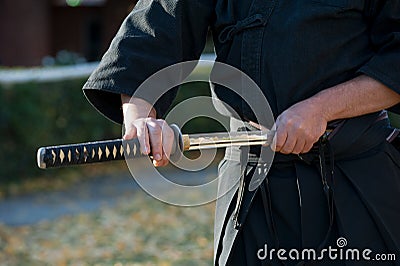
[{"x": 118, "y": 149}]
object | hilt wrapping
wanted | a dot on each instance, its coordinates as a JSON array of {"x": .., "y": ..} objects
[
  {"x": 90, "y": 152},
  {"x": 97, "y": 151}
]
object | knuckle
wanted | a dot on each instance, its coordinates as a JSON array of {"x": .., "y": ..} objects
[
  {"x": 161, "y": 122},
  {"x": 310, "y": 136},
  {"x": 303, "y": 130},
  {"x": 169, "y": 133},
  {"x": 165, "y": 127},
  {"x": 289, "y": 121},
  {"x": 151, "y": 122},
  {"x": 155, "y": 129}
]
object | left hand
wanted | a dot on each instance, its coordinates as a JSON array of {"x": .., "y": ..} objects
[
  {"x": 153, "y": 134},
  {"x": 299, "y": 127}
]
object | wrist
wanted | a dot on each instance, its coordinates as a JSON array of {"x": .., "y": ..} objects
[
  {"x": 137, "y": 107},
  {"x": 320, "y": 107}
]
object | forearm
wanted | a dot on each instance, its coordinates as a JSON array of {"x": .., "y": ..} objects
[
  {"x": 356, "y": 97},
  {"x": 301, "y": 125}
]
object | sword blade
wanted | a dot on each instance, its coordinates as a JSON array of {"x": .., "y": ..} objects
[{"x": 225, "y": 139}]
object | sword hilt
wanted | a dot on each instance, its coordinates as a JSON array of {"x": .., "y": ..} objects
[{"x": 98, "y": 151}]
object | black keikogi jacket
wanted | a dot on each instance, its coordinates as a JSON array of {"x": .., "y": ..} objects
[
  {"x": 305, "y": 46},
  {"x": 292, "y": 50}
]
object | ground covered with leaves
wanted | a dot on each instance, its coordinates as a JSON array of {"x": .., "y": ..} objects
[{"x": 137, "y": 230}]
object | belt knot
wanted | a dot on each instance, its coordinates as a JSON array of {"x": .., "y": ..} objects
[{"x": 250, "y": 22}]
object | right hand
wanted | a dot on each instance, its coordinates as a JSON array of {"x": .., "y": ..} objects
[
  {"x": 154, "y": 135},
  {"x": 299, "y": 127}
]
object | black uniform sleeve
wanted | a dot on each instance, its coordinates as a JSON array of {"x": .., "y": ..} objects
[
  {"x": 156, "y": 34},
  {"x": 384, "y": 66}
]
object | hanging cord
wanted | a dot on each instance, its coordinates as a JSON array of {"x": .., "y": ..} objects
[
  {"x": 327, "y": 181},
  {"x": 244, "y": 157},
  {"x": 327, "y": 178},
  {"x": 244, "y": 169},
  {"x": 266, "y": 199},
  {"x": 238, "y": 224}
]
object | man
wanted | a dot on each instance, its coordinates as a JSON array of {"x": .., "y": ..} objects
[{"x": 328, "y": 68}]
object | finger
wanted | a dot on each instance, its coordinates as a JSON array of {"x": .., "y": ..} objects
[
  {"x": 130, "y": 132},
  {"x": 274, "y": 138},
  {"x": 155, "y": 135},
  {"x": 299, "y": 147},
  {"x": 168, "y": 139},
  {"x": 307, "y": 147},
  {"x": 167, "y": 143},
  {"x": 289, "y": 145},
  {"x": 279, "y": 139},
  {"x": 143, "y": 137},
  {"x": 270, "y": 138}
]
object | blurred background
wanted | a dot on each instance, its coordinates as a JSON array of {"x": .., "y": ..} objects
[
  {"x": 34, "y": 31},
  {"x": 91, "y": 215}
]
